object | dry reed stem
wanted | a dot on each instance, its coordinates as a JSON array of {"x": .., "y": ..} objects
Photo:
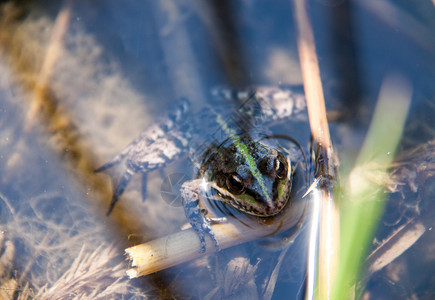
[
  {"x": 395, "y": 245},
  {"x": 35, "y": 76},
  {"x": 52, "y": 55},
  {"x": 183, "y": 246},
  {"x": 329, "y": 216},
  {"x": 311, "y": 78}
]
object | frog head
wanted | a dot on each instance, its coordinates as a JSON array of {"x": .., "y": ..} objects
[{"x": 250, "y": 176}]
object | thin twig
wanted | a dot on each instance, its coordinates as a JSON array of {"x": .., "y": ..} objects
[
  {"x": 311, "y": 78},
  {"x": 395, "y": 245},
  {"x": 54, "y": 52},
  {"x": 329, "y": 220}
]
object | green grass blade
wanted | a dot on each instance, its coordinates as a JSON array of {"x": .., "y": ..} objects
[{"x": 363, "y": 195}]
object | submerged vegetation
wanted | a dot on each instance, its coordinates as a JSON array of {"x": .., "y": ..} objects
[{"x": 71, "y": 96}]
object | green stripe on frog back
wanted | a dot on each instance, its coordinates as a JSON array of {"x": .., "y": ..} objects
[{"x": 243, "y": 149}]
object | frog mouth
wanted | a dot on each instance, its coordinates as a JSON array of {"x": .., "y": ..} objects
[
  {"x": 260, "y": 208},
  {"x": 252, "y": 204}
]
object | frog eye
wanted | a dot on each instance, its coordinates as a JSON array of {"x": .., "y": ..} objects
[
  {"x": 280, "y": 166},
  {"x": 235, "y": 184}
]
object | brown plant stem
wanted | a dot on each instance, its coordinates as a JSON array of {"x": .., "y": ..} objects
[
  {"x": 183, "y": 246},
  {"x": 328, "y": 225}
]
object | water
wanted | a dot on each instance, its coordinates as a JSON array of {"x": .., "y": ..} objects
[{"x": 121, "y": 65}]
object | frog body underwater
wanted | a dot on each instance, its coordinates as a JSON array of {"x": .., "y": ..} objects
[{"x": 233, "y": 166}]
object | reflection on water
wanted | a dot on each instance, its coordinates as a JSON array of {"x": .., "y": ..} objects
[{"x": 113, "y": 67}]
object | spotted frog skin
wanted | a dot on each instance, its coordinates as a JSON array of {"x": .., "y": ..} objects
[
  {"x": 256, "y": 182},
  {"x": 233, "y": 161}
]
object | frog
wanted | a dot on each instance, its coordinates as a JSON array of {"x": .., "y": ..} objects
[{"x": 230, "y": 153}]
